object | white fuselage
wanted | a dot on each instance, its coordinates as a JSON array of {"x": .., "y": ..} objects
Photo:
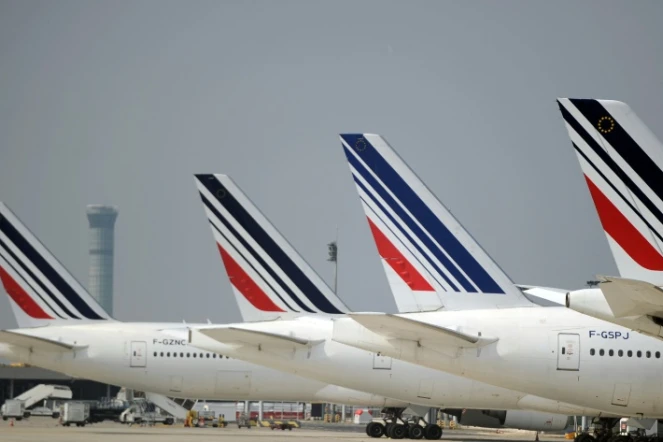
[
  {"x": 552, "y": 352},
  {"x": 157, "y": 358},
  {"x": 339, "y": 364}
]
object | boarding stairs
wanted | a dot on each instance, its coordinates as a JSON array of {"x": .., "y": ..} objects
[
  {"x": 178, "y": 408},
  {"x": 44, "y": 391}
]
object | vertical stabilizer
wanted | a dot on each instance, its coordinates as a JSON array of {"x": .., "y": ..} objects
[
  {"x": 41, "y": 291},
  {"x": 268, "y": 277},
  {"x": 622, "y": 161},
  {"x": 430, "y": 260}
]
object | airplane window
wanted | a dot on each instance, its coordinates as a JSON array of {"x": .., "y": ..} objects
[
  {"x": 201, "y": 355},
  {"x": 601, "y": 352},
  {"x": 563, "y": 350},
  {"x": 658, "y": 355},
  {"x": 155, "y": 354},
  {"x": 168, "y": 354},
  {"x": 188, "y": 355},
  {"x": 591, "y": 352},
  {"x": 611, "y": 353},
  {"x": 134, "y": 352},
  {"x": 648, "y": 354},
  {"x": 620, "y": 353},
  {"x": 207, "y": 355},
  {"x": 181, "y": 354},
  {"x": 630, "y": 353},
  {"x": 639, "y": 354},
  {"x": 214, "y": 355},
  {"x": 194, "y": 355},
  {"x": 228, "y": 357},
  {"x": 161, "y": 354}
]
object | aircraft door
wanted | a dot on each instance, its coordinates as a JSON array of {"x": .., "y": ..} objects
[
  {"x": 138, "y": 354},
  {"x": 568, "y": 351},
  {"x": 381, "y": 362}
]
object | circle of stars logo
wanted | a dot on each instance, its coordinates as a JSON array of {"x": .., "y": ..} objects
[
  {"x": 360, "y": 144},
  {"x": 221, "y": 193},
  {"x": 606, "y": 125}
]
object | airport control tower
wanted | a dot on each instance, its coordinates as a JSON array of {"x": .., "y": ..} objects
[{"x": 102, "y": 237}]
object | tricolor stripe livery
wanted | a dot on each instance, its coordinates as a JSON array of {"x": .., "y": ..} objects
[
  {"x": 262, "y": 266},
  {"x": 622, "y": 163},
  {"x": 38, "y": 285},
  {"x": 415, "y": 234}
]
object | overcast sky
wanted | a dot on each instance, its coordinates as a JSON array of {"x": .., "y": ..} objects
[{"x": 122, "y": 102}]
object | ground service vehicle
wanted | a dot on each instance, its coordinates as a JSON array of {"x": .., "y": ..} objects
[{"x": 75, "y": 413}]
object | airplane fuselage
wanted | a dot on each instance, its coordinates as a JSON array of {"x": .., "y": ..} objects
[
  {"x": 339, "y": 364},
  {"x": 552, "y": 352},
  {"x": 157, "y": 358}
]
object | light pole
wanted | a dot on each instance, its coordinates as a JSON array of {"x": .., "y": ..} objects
[{"x": 332, "y": 249}]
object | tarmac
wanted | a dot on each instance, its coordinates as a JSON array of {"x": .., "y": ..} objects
[{"x": 48, "y": 430}]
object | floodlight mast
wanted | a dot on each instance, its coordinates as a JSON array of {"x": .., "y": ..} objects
[{"x": 332, "y": 250}]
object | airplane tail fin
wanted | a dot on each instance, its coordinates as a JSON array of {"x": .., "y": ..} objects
[
  {"x": 430, "y": 260},
  {"x": 41, "y": 291},
  {"x": 269, "y": 278},
  {"x": 622, "y": 161}
]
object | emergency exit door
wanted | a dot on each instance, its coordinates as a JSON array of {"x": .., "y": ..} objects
[
  {"x": 568, "y": 351},
  {"x": 138, "y": 354}
]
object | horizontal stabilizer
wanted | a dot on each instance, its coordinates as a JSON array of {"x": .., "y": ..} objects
[
  {"x": 393, "y": 327},
  {"x": 544, "y": 296},
  {"x": 37, "y": 343},
  {"x": 630, "y": 297},
  {"x": 243, "y": 336},
  {"x": 533, "y": 287}
]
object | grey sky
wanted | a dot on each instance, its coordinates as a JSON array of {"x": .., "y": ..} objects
[{"x": 121, "y": 102}]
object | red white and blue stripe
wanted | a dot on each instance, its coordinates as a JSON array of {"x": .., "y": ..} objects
[
  {"x": 433, "y": 251},
  {"x": 622, "y": 164},
  {"x": 262, "y": 266},
  {"x": 36, "y": 282}
]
